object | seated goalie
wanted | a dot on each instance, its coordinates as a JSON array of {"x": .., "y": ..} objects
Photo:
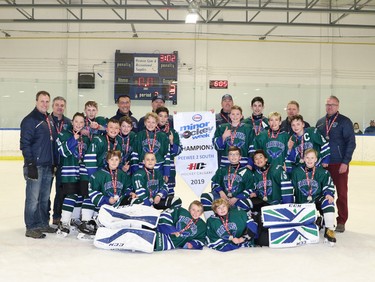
[{"x": 142, "y": 228}]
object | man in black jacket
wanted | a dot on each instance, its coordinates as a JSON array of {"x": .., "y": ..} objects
[
  {"x": 124, "y": 103},
  {"x": 36, "y": 144}
]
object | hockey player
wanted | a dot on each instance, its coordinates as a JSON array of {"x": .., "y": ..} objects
[
  {"x": 150, "y": 140},
  {"x": 100, "y": 145},
  {"x": 232, "y": 183},
  {"x": 303, "y": 139},
  {"x": 174, "y": 144},
  {"x": 272, "y": 186},
  {"x": 272, "y": 141},
  {"x": 229, "y": 229},
  {"x": 94, "y": 125},
  {"x": 150, "y": 187},
  {"x": 110, "y": 186},
  {"x": 127, "y": 144},
  {"x": 72, "y": 146},
  {"x": 179, "y": 228},
  {"x": 313, "y": 184},
  {"x": 236, "y": 134},
  {"x": 257, "y": 121}
]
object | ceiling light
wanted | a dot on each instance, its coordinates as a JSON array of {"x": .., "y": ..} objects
[{"x": 192, "y": 17}]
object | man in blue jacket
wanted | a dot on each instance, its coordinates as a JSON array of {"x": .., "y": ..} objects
[
  {"x": 338, "y": 130},
  {"x": 36, "y": 144}
]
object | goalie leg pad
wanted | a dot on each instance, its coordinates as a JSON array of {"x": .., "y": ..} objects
[
  {"x": 131, "y": 239},
  {"x": 293, "y": 236},
  {"x": 128, "y": 216},
  {"x": 289, "y": 215}
]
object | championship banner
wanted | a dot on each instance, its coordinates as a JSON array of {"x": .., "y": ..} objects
[{"x": 197, "y": 163}]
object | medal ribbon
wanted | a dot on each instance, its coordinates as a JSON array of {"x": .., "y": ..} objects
[
  {"x": 109, "y": 144},
  {"x": 151, "y": 147},
  {"x": 271, "y": 135},
  {"x": 80, "y": 147},
  {"x": 309, "y": 180},
  {"x": 127, "y": 144},
  {"x": 114, "y": 181},
  {"x": 148, "y": 179},
  {"x": 329, "y": 125},
  {"x": 224, "y": 117},
  {"x": 264, "y": 175},
  {"x": 256, "y": 128},
  {"x": 225, "y": 223},
  {"x": 188, "y": 225},
  {"x": 231, "y": 178},
  {"x": 300, "y": 148},
  {"x": 49, "y": 127},
  {"x": 233, "y": 134}
]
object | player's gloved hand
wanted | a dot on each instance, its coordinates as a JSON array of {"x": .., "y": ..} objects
[{"x": 32, "y": 171}]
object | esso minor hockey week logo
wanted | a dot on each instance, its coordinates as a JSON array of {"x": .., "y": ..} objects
[{"x": 197, "y": 129}]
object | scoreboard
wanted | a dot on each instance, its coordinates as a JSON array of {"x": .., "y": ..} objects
[{"x": 141, "y": 76}]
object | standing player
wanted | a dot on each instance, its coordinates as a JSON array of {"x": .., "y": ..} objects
[
  {"x": 272, "y": 186},
  {"x": 257, "y": 121},
  {"x": 94, "y": 125},
  {"x": 127, "y": 143},
  {"x": 303, "y": 139},
  {"x": 229, "y": 229},
  {"x": 236, "y": 134},
  {"x": 273, "y": 141},
  {"x": 314, "y": 185},
  {"x": 150, "y": 187},
  {"x": 338, "y": 130},
  {"x": 150, "y": 140},
  {"x": 72, "y": 146},
  {"x": 175, "y": 147},
  {"x": 179, "y": 228},
  {"x": 232, "y": 183}
]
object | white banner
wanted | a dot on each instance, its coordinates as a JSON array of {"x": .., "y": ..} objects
[{"x": 198, "y": 161}]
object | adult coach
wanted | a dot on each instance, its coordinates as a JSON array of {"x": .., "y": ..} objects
[
  {"x": 226, "y": 106},
  {"x": 338, "y": 130},
  {"x": 36, "y": 145},
  {"x": 292, "y": 109},
  {"x": 124, "y": 103}
]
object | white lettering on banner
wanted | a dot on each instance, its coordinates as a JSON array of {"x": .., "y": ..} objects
[{"x": 198, "y": 161}]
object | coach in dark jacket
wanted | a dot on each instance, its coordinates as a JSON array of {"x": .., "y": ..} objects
[
  {"x": 36, "y": 145},
  {"x": 338, "y": 130},
  {"x": 124, "y": 103}
]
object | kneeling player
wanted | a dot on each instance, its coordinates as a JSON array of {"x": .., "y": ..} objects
[
  {"x": 314, "y": 185},
  {"x": 229, "y": 229},
  {"x": 232, "y": 183},
  {"x": 150, "y": 187}
]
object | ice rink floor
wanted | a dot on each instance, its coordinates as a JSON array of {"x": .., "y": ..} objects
[{"x": 69, "y": 259}]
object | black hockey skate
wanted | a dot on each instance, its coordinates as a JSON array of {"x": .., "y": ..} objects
[{"x": 329, "y": 237}]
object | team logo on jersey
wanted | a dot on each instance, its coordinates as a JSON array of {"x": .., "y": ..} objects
[{"x": 275, "y": 149}]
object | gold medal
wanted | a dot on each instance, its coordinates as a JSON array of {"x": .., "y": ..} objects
[
  {"x": 115, "y": 197},
  {"x": 301, "y": 161},
  {"x": 327, "y": 138},
  {"x": 230, "y": 195},
  {"x": 265, "y": 198},
  {"x": 309, "y": 198},
  {"x": 230, "y": 238}
]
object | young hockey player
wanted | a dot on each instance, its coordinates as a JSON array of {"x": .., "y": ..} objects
[
  {"x": 94, "y": 125},
  {"x": 229, "y": 229},
  {"x": 72, "y": 146},
  {"x": 272, "y": 186},
  {"x": 232, "y": 183},
  {"x": 181, "y": 228},
  {"x": 257, "y": 121},
  {"x": 272, "y": 141},
  {"x": 110, "y": 186},
  {"x": 303, "y": 139},
  {"x": 150, "y": 187},
  {"x": 313, "y": 184},
  {"x": 174, "y": 144},
  {"x": 236, "y": 134},
  {"x": 128, "y": 140},
  {"x": 100, "y": 145},
  {"x": 150, "y": 140}
]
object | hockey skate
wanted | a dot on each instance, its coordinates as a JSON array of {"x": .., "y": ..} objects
[
  {"x": 74, "y": 225},
  {"x": 329, "y": 237},
  {"x": 63, "y": 230},
  {"x": 87, "y": 230}
]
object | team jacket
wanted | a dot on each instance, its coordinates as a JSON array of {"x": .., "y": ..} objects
[
  {"x": 217, "y": 235},
  {"x": 72, "y": 154},
  {"x": 241, "y": 183},
  {"x": 242, "y": 136},
  {"x": 36, "y": 142},
  {"x": 341, "y": 138},
  {"x": 180, "y": 220},
  {"x": 321, "y": 185},
  {"x": 160, "y": 147},
  {"x": 279, "y": 188},
  {"x": 311, "y": 139},
  {"x": 101, "y": 187}
]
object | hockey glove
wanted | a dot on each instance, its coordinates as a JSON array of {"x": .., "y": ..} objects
[{"x": 32, "y": 171}]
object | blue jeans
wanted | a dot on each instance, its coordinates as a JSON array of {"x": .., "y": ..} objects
[{"x": 37, "y": 198}]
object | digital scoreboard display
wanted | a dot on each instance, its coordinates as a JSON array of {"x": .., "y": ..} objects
[
  {"x": 218, "y": 84},
  {"x": 141, "y": 76}
]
